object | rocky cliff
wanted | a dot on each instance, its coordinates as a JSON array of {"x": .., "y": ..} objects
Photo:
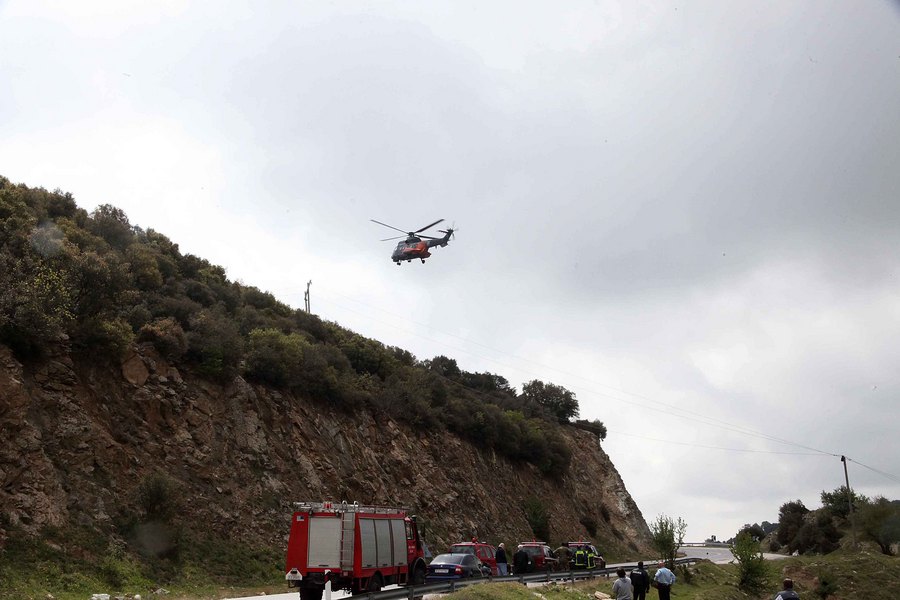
[{"x": 78, "y": 438}]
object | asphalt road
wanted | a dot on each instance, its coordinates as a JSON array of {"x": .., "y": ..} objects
[{"x": 715, "y": 554}]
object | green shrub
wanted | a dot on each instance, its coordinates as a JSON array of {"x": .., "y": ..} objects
[
  {"x": 826, "y": 584},
  {"x": 35, "y": 305},
  {"x": 685, "y": 574},
  {"x": 109, "y": 337},
  {"x": 214, "y": 343},
  {"x": 753, "y": 573},
  {"x": 275, "y": 358},
  {"x": 111, "y": 224},
  {"x": 167, "y": 337},
  {"x": 157, "y": 497},
  {"x": 790, "y": 520},
  {"x": 817, "y": 535}
]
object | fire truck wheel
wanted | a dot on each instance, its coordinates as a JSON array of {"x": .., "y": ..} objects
[
  {"x": 418, "y": 577},
  {"x": 311, "y": 593},
  {"x": 374, "y": 584}
]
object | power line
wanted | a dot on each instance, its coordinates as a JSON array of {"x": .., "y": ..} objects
[
  {"x": 668, "y": 408},
  {"x": 747, "y": 450},
  {"x": 885, "y": 474}
]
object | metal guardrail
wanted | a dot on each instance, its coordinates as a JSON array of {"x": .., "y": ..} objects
[
  {"x": 412, "y": 592},
  {"x": 705, "y": 544}
]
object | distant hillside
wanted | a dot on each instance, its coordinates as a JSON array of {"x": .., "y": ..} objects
[{"x": 157, "y": 419}]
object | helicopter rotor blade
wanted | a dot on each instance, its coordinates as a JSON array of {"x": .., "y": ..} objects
[
  {"x": 392, "y": 227},
  {"x": 427, "y": 226},
  {"x": 393, "y": 238}
]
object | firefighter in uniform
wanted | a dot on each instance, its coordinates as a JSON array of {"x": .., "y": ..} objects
[
  {"x": 591, "y": 558},
  {"x": 580, "y": 557}
]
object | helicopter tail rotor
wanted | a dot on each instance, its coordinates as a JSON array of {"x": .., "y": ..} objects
[{"x": 451, "y": 231}]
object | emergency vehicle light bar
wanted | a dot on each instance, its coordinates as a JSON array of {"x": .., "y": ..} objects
[{"x": 343, "y": 506}]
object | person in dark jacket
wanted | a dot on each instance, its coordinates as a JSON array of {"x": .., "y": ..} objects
[
  {"x": 563, "y": 555},
  {"x": 502, "y": 566},
  {"x": 521, "y": 560},
  {"x": 581, "y": 557},
  {"x": 640, "y": 579},
  {"x": 788, "y": 592}
]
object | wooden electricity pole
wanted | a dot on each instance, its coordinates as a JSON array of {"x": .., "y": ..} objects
[
  {"x": 849, "y": 500},
  {"x": 306, "y": 295}
]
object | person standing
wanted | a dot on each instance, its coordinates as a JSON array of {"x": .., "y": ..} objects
[
  {"x": 563, "y": 556},
  {"x": 664, "y": 579},
  {"x": 788, "y": 592},
  {"x": 520, "y": 561},
  {"x": 580, "y": 557},
  {"x": 502, "y": 566},
  {"x": 622, "y": 586},
  {"x": 640, "y": 579}
]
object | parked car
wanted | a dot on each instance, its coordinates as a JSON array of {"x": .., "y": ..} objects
[
  {"x": 483, "y": 552},
  {"x": 541, "y": 555},
  {"x": 448, "y": 567}
]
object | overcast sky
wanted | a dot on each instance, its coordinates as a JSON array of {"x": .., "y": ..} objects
[{"x": 688, "y": 213}]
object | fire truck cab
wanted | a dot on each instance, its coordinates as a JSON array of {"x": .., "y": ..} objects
[{"x": 357, "y": 548}]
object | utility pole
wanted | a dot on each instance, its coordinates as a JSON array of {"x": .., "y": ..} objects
[
  {"x": 849, "y": 500},
  {"x": 306, "y": 295}
]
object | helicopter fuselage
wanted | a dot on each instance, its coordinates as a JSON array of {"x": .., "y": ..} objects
[{"x": 414, "y": 247}]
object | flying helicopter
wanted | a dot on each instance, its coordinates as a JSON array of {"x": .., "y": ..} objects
[{"x": 416, "y": 245}]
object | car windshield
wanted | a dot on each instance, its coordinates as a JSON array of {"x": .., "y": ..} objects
[
  {"x": 462, "y": 549},
  {"x": 533, "y": 550},
  {"x": 449, "y": 559}
]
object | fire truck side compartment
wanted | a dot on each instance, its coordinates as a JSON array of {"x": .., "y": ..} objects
[
  {"x": 324, "y": 543},
  {"x": 398, "y": 533}
]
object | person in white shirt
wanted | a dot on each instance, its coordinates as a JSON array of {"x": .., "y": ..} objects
[{"x": 664, "y": 579}]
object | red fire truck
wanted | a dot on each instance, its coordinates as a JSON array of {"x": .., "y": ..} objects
[{"x": 357, "y": 548}]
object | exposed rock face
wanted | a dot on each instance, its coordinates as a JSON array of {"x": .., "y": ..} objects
[{"x": 76, "y": 440}]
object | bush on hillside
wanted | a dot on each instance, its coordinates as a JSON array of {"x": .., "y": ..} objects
[
  {"x": 753, "y": 573},
  {"x": 275, "y": 358},
  {"x": 790, "y": 520},
  {"x": 214, "y": 343},
  {"x": 109, "y": 337},
  {"x": 817, "y": 535},
  {"x": 879, "y": 522},
  {"x": 167, "y": 337},
  {"x": 837, "y": 502},
  {"x": 157, "y": 497}
]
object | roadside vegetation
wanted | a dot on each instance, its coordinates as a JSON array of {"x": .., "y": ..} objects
[
  {"x": 78, "y": 562},
  {"x": 849, "y": 575},
  {"x": 852, "y": 575}
]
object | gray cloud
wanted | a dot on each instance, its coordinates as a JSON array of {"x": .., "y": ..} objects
[{"x": 685, "y": 204}]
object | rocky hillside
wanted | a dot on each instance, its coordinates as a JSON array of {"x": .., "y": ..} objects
[{"x": 79, "y": 437}]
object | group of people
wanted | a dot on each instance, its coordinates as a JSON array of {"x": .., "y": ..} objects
[
  {"x": 636, "y": 584},
  {"x": 520, "y": 562}
]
